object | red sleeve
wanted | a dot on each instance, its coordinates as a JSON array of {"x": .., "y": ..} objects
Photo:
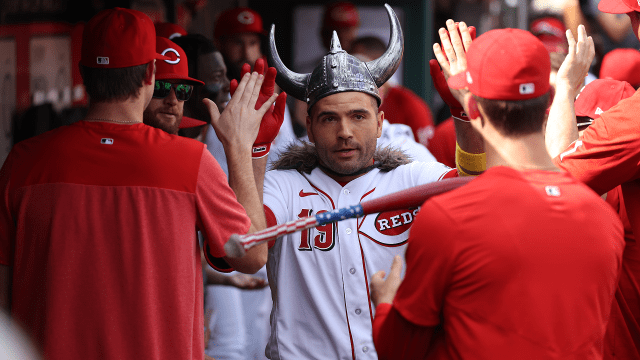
[
  {"x": 453, "y": 173},
  {"x": 430, "y": 263},
  {"x": 219, "y": 215},
  {"x": 396, "y": 338},
  {"x": 608, "y": 152},
  {"x": 7, "y": 225},
  {"x": 271, "y": 221}
]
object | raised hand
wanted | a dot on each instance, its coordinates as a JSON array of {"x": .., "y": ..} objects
[
  {"x": 239, "y": 124},
  {"x": 576, "y": 65},
  {"x": 273, "y": 118},
  {"x": 440, "y": 83},
  {"x": 451, "y": 55}
]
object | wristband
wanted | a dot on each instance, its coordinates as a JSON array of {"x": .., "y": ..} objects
[
  {"x": 260, "y": 151},
  {"x": 469, "y": 164}
]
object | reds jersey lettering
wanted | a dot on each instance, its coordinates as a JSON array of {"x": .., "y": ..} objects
[{"x": 333, "y": 283}]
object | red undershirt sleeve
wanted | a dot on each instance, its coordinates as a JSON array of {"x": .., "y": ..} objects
[
  {"x": 271, "y": 221},
  {"x": 395, "y": 338},
  {"x": 453, "y": 173}
]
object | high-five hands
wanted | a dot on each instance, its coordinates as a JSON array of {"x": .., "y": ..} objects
[
  {"x": 440, "y": 83},
  {"x": 239, "y": 123},
  {"x": 576, "y": 65},
  {"x": 272, "y": 119},
  {"x": 451, "y": 55}
]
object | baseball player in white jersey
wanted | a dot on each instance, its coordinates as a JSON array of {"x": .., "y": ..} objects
[{"x": 319, "y": 278}]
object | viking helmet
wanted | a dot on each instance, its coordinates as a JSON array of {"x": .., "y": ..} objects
[{"x": 339, "y": 71}]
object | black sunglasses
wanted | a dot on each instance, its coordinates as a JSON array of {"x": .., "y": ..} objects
[{"x": 163, "y": 88}]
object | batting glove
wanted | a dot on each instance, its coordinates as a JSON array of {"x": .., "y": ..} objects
[
  {"x": 440, "y": 83},
  {"x": 273, "y": 118}
]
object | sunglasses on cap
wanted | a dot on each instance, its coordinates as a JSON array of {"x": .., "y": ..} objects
[{"x": 163, "y": 88}]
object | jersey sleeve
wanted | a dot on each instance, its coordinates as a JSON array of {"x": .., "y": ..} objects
[
  {"x": 429, "y": 266},
  {"x": 607, "y": 154},
  {"x": 7, "y": 225},
  {"x": 219, "y": 215}
]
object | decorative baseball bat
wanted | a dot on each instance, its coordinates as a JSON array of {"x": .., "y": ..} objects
[{"x": 411, "y": 197}]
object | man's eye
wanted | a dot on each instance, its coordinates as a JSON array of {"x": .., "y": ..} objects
[{"x": 359, "y": 116}]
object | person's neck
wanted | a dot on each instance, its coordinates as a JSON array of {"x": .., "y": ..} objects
[
  {"x": 344, "y": 179},
  {"x": 130, "y": 110},
  {"x": 526, "y": 152}
]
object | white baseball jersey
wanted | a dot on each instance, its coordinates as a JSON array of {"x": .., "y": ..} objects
[{"x": 319, "y": 277}]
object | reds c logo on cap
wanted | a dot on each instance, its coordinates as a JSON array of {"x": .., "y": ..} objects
[
  {"x": 247, "y": 18},
  {"x": 172, "y": 50}
]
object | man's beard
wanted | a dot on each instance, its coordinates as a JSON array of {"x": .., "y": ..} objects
[
  {"x": 170, "y": 128},
  {"x": 364, "y": 161}
]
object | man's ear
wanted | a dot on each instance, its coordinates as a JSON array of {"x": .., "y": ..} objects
[
  {"x": 309, "y": 131},
  {"x": 472, "y": 105},
  {"x": 380, "y": 122},
  {"x": 150, "y": 74},
  {"x": 474, "y": 111}
]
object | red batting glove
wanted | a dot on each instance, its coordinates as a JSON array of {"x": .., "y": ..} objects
[
  {"x": 273, "y": 118},
  {"x": 440, "y": 83}
]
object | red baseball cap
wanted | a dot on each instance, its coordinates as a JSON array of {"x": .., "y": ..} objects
[
  {"x": 237, "y": 21},
  {"x": 341, "y": 14},
  {"x": 618, "y": 6},
  {"x": 169, "y": 30},
  {"x": 176, "y": 65},
  {"x": 188, "y": 122},
  {"x": 600, "y": 95},
  {"x": 118, "y": 38},
  {"x": 505, "y": 64},
  {"x": 621, "y": 64}
]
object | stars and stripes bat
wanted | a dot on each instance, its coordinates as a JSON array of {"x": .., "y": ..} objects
[{"x": 408, "y": 198}]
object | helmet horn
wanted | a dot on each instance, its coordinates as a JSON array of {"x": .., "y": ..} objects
[
  {"x": 291, "y": 82},
  {"x": 383, "y": 67}
]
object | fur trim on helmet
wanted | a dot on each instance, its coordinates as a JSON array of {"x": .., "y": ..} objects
[{"x": 304, "y": 158}]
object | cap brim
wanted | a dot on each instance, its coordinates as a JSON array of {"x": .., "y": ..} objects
[
  {"x": 188, "y": 122},
  {"x": 458, "y": 81},
  {"x": 178, "y": 77},
  {"x": 614, "y": 7}
]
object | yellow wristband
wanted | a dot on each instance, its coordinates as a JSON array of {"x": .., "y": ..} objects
[{"x": 469, "y": 164}]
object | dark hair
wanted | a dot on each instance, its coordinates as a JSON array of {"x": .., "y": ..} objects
[
  {"x": 516, "y": 118},
  {"x": 113, "y": 84},
  {"x": 195, "y": 45},
  {"x": 373, "y": 46}
]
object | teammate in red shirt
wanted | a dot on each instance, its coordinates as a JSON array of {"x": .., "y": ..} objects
[
  {"x": 524, "y": 259},
  {"x": 606, "y": 156},
  {"x": 98, "y": 219}
]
